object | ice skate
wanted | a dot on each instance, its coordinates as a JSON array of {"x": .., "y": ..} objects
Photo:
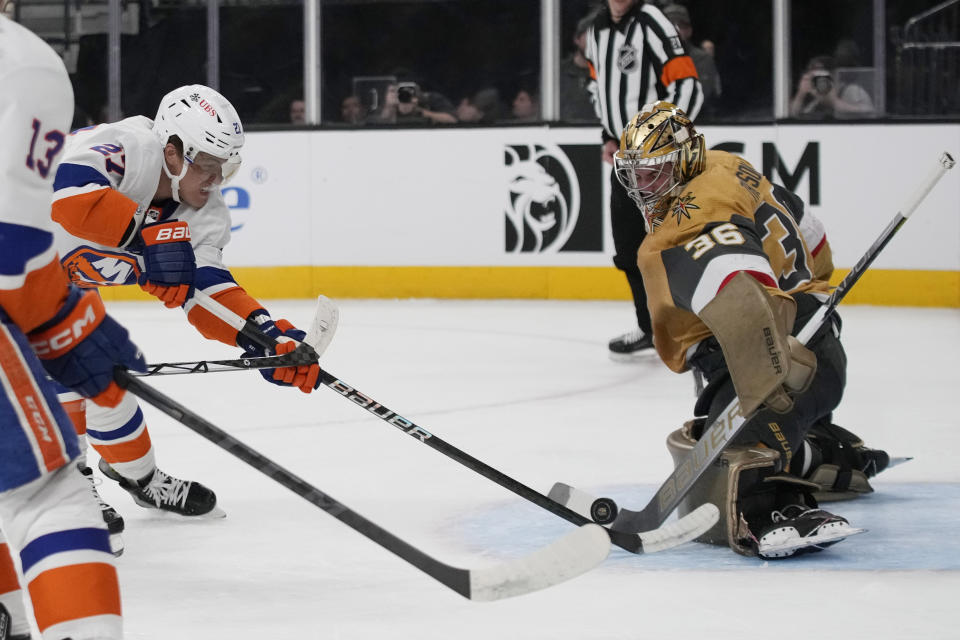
[
  {"x": 797, "y": 529},
  {"x": 168, "y": 494},
  {"x": 113, "y": 520},
  {"x": 840, "y": 463},
  {"x": 630, "y": 346}
]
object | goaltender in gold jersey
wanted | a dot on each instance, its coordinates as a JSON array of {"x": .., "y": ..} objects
[{"x": 734, "y": 266}]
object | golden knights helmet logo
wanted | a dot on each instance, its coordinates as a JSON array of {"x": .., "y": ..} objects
[
  {"x": 663, "y": 129},
  {"x": 543, "y": 198}
]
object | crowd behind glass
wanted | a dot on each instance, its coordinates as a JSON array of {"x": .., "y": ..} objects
[{"x": 478, "y": 62}]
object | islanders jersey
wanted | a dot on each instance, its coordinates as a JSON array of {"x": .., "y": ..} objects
[
  {"x": 103, "y": 195},
  {"x": 728, "y": 219},
  {"x": 36, "y": 107}
]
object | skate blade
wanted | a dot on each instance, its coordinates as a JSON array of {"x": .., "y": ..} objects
[
  {"x": 636, "y": 356},
  {"x": 787, "y": 548},
  {"x": 214, "y": 514},
  {"x": 898, "y": 461}
]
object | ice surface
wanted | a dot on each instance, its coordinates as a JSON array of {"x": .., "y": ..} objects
[{"x": 526, "y": 387}]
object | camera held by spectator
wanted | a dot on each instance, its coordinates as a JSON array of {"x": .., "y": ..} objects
[
  {"x": 822, "y": 81},
  {"x": 407, "y": 92}
]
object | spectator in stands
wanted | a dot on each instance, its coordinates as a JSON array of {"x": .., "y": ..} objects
[
  {"x": 702, "y": 59},
  {"x": 575, "y": 102},
  {"x": 819, "y": 96},
  {"x": 482, "y": 108},
  {"x": 407, "y": 103},
  {"x": 298, "y": 111},
  {"x": 352, "y": 110},
  {"x": 526, "y": 107}
]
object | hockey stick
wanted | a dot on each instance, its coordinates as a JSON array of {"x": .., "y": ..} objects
[
  {"x": 656, "y": 539},
  {"x": 573, "y": 554},
  {"x": 326, "y": 318},
  {"x": 730, "y": 422}
]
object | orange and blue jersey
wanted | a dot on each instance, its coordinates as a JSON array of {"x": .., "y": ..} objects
[
  {"x": 35, "y": 434},
  {"x": 49, "y": 518},
  {"x": 103, "y": 194}
]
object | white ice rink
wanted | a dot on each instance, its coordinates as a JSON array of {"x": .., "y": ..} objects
[{"x": 526, "y": 387}]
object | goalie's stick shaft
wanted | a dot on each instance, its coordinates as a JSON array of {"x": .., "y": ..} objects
[
  {"x": 570, "y": 556},
  {"x": 630, "y": 542},
  {"x": 730, "y": 422}
]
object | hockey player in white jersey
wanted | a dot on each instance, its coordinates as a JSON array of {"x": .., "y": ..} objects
[
  {"x": 139, "y": 202},
  {"x": 47, "y": 327}
]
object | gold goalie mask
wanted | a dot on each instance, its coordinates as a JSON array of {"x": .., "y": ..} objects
[{"x": 659, "y": 151}]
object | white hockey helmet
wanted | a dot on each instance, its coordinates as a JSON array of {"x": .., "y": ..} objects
[{"x": 204, "y": 121}]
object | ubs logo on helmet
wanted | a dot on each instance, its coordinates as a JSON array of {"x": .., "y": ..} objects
[
  {"x": 206, "y": 106},
  {"x": 543, "y": 198}
]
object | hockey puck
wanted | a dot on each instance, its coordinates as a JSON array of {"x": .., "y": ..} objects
[{"x": 603, "y": 510}]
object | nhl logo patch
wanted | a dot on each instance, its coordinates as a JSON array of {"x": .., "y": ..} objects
[{"x": 627, "y": 58}]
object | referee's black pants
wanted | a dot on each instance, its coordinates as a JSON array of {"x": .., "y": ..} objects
[{"x": 626, "y": 222}]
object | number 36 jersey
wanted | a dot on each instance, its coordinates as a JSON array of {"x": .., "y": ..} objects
[{"x": 728, "y": 219}]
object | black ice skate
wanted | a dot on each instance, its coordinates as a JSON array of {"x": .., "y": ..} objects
[
  {"x": 113, "y": 520},
  {"x": 630, "y": 345},
  {"x": 841, "y": 464},
  {"x": 166, "y": 493},
  {"x": 797, "y": 529}
]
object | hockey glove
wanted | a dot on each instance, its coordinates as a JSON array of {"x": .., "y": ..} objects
[
  {"x": 304, "y": 377},
  {"x": 81, "y": 345},
  {"x": 168, "y": 262}
]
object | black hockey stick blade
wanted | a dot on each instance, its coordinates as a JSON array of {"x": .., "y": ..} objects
[{"x": 575, "y": 553}]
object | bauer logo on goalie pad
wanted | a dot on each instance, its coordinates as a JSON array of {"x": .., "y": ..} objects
[{"x": 546, "y": 186}]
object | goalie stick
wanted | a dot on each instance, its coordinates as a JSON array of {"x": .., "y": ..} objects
[
  {"x": 730, "y": 422},
  {"x": 655, "y": 539},
  {"x": 575, "y": 553}
]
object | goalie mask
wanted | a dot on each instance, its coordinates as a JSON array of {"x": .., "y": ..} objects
[
  {"x": 205, "y": 122},
  {"x": 659, "y": 151}
]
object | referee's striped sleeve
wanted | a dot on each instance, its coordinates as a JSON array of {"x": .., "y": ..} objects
[{"x": 678, "y": 73}]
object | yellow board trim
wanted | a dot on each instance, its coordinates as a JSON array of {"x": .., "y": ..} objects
[{"x": 877, "y": 286}]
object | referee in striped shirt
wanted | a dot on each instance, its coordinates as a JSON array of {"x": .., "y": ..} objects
[{"x": 636, "y": 57}]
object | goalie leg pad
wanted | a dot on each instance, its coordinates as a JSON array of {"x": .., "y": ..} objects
[
  {"x": 721, "y": 483},
  {"x": 744, "y": 483}
]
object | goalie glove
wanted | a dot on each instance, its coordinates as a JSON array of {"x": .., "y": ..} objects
[
  {"x": 304, "y": 377},
  {"x": 81, "y": 345},
  {"x": 168, "y": 262}
]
